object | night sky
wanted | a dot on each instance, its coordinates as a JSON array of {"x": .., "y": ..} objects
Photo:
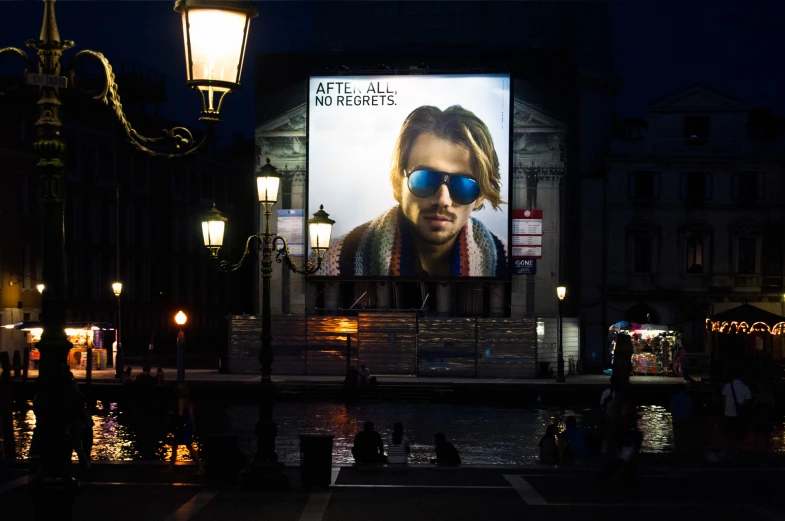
[{"x": 660, "y": 46}]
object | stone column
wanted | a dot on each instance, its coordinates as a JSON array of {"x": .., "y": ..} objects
[
  {"x": 332, "y": 297},
  {"x": 444, "y": 298},
  {"x": 383, "y": 294},
  {"x": 497, "y": 302}
]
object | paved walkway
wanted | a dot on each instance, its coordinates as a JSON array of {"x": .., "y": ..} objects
[
  {"x": 212, "y": 375},
  {"x": 421, "y": 492}
]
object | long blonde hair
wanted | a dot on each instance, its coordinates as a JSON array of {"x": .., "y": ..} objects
[{"x": 460, "y": 126}]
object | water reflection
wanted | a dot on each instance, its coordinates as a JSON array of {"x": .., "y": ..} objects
[{"x": 483, "y": 435}]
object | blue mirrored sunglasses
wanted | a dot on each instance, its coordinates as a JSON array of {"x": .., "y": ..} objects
[{"x": 424, "y": 183}]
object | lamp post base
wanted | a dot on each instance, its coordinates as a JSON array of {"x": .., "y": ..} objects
[{"x": 264, "y": 476}]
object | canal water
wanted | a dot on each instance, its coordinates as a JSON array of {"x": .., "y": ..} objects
[{"x": 483, "y": 435}]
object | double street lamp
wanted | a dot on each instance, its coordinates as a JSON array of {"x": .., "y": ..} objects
[
  {"x": 266, "y": 471},
  {"x": 561, "y": 292},
  {"x": 214, "y": 34}
]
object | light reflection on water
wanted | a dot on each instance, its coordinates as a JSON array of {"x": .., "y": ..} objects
[{"x": 483, "y": 435}]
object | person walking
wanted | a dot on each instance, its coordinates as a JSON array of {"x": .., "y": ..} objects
[
  {"x": 78, "y": 422},
  {"x": 681, "y": 417},
  {"x": 185, "y": 428},
  {"x": 398, "y": 448},
  {"x": 735, "y": 395}
]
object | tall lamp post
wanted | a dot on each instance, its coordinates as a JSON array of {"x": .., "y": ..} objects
[
  {"x": 180, "y": 319},
  {"x": 119, "y": 361},
  {"x": 215, "y": 34},
  {"x": 561, "y": 292},
  {"x": 266, "y": 471}
]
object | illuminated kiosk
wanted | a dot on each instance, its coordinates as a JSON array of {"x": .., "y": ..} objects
[
  {"x": 657, "y": 349},
  {"x": 83, "y": 336}
]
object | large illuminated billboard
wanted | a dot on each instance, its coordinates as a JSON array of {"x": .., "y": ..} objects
[{"x": 415, "y": 172}]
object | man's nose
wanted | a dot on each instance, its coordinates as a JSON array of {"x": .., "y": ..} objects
[{"x": 442, "y": 196}]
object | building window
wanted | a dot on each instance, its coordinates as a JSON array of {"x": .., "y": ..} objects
[
  {"x": 642, "y": 253},
  {"x": 644, "y": 185},
  {"x": 747, "y": 187},
  {"x": 697, "y": 129},
  {"x": 696, "y": 186},
  {"x": 695, "y": 253},
  {"x": 747, "y": 255}
]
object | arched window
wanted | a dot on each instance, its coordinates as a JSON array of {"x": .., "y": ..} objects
[
  {"x": 695, "y": 241},
  {"x": 643, "y": 241},
  {"x": 746, "y": 242}
]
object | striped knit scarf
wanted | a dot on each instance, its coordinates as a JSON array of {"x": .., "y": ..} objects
[{"x": 385, "y": 247}]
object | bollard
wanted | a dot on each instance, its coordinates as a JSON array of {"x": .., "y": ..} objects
[
  {"x": 17, "y": 363},
  {"x": 25, "y": 364},
  {"x": 89, "y": 366}
]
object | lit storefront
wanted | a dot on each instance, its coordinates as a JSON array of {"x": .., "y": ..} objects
[{"x": 97, "y": 337}]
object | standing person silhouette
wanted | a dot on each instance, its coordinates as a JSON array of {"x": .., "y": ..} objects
[{"x": 184, "y": 428}]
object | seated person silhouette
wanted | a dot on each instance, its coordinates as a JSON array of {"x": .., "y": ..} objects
[
  {"x": 446, "y": 453},
  {"x": 368, "y": 446}
]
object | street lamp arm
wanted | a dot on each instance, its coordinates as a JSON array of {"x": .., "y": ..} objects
[
  {"x": 179, "y": 141},
  {"x": 15, "y": 52},
  {"x": 283, "y": 253},
  {"x": 227, "y": 266}
]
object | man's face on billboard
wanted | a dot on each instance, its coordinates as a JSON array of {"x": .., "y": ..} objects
[{"x": 437, "y": 219}]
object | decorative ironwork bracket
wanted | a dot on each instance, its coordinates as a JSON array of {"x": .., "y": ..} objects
[
  {"x": 178, "y": 139},
  {"x": 281, "y": 255}
]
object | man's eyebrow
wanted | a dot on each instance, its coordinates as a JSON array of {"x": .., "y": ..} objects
[{"x": 426, "y": 167}]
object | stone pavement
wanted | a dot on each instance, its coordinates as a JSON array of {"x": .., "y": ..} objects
[
  {"x": 213, "y": 375},
  {"x": 666, "y": 489}
]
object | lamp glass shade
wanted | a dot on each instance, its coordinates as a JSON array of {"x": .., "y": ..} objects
[
  {"x": 561, "y": 292},
  {"x": 267, "y": 188},
  {"x": 117, "y": 288},
  {"x": 213, "y": 233},
  {"x": 180, "y": 318},
  {"x": 217, "y": 40},
  {"x": 320, "y": 228},
  {"x": 40, "y": 287}
]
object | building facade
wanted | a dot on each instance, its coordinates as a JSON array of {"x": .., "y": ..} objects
[
  {"x": 555, "y": 143},
  {"x": 686, "y": 218},
  {"x": 128, "y": 217}
]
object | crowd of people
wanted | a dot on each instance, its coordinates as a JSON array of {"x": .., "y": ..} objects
[{"x": 368, "y": 447}]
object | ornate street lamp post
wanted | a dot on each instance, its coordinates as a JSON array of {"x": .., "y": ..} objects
[
  {"x": 209, "y": 55},
  {"x": 266, "y": 471},
  {"x": 561, "y": 292},
  {"x": 119, "y": 361},
  {"x": 180, "y": 319}
]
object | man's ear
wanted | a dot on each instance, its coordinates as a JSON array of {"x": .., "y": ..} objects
[{"x": 479, "y": 204}]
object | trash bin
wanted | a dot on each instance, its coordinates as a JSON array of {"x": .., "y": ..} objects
[
  {"x": 545, "y": 370},
  {"x": 316, "y": 460}
]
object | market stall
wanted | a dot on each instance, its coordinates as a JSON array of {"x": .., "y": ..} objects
[
  {"x": 656, "y": 348},
  {"x": 747, "y": 338},
  {"x": 84, "y": 337}
]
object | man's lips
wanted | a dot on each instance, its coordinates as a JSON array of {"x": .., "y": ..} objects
[{"x": 438, "y": 218}]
